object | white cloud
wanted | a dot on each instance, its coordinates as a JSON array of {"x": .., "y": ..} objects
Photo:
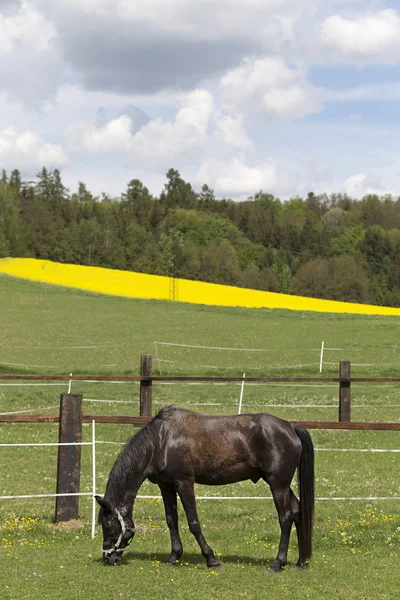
[
  {"x": 384, "y": 92},
  {"x": 27, "y": 26},
  {"x": 230, "y": 133},
  {"x": 269, "y": 86},
  {"x": 114, "y": 137},
  {"x": 107, "y": 72},
  {"x": 371, "y": 37},
  {"x": 197, "y": 126},
  {"x": 72, "y": 96},
  {"x": 30, "y": 63},
  {"x": 357, "y": 186},
  {"x": 200, "y": 20},
  {"x": 155, "y": 141},
  {"x": 144, "y": 47},
  {"x": 234, "y": 178},
  {"x": 27, "y": 151}
]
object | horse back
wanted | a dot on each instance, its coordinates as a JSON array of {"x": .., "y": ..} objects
[{"x": 225, "y": 449}]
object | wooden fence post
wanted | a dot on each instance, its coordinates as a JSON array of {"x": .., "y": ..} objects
[
  {"x": 146, "y": 386},
  {"x": 69, "y": 457},
  {"x": 344, "y": 391}
]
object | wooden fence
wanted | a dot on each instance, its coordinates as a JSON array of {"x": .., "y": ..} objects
[{"x": 71, "y": 417}]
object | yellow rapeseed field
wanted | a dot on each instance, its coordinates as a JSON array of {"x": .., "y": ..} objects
[{"x": 140, "y": 285}]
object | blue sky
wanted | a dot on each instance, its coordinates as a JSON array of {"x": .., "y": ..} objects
[{"x": 287, "y": 96}]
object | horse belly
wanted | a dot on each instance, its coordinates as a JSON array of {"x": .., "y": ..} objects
[{"x": 221, "y": 475}]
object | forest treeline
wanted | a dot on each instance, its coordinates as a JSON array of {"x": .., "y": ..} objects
[{"x": 321, "y": 246}]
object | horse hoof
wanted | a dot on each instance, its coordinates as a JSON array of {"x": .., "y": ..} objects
[
  {"x": 272, "y": 570},
  {"x": 302, "y": 565},
  {"x": 213, "y": 564},
  {"x": 172, "y": 563}
]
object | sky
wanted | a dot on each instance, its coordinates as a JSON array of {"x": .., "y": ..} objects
[{"x": 284, "y": 96}]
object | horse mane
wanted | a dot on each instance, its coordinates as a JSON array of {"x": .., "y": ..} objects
[{"x": 136, "y": 454}]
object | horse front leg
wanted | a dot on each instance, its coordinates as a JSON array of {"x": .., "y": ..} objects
[
  {"x": 171, "y": 515},
  {"x": 186, "y": 494},
  {"x": 282, "y": 499}
]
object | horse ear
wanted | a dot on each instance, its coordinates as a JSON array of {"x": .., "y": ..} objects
[{"x": 103, "y": 503}]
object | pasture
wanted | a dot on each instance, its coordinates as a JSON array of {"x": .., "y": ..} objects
[{"x": 57, "y": 331}]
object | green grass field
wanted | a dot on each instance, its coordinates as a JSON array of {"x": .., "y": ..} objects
[{"x": 54, "y": 330}]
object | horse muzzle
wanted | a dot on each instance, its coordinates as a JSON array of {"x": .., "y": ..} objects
[{"x": 113, "y": 558}]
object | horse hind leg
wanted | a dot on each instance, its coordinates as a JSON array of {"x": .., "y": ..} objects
[
  {"x": 283, "y": 504},
  {"x": 296, "y": 517},
  {"x": 171, "y": 515},
  {"x": 186, "y": 494}
]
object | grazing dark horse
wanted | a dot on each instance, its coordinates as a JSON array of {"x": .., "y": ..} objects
[{"x": 179, "y": 448}]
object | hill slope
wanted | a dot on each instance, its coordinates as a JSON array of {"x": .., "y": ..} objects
[{"x": 139, "y": 285}]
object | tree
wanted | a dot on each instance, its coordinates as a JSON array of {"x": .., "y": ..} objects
[
  {"x": 135, "y": 239},
  {"x": 137, "y": 201},
  {"x": 83, "y": 194},
  {"x": 58, "y": 189},
  {"x": 290, "y": 239},
  {"x": 267, "y": 202},
  {"x": 149, "y": 260},
  {"x": 394, "y": 266},
  {"x": 346, "y": 240},
  {"x": 156, "y": 215},
  {"x": 296, "y": 206},
  {"x": 44, "y": 184},
  {"x": 333, "y": 247},
  {"x": 282, "y": 270},
  {"x": 257, "y": 223},
  {"x": 375, "y": 247},
  {"x": 314, "y": 204},
  {"x": 311, "y": 279},
  {"x": 218, "y": 264},
  {"x": 311, "y": 237},
  {"x": 333, "y": 219},
  {"x": 177, "y": 192},
  {"x": 4, "y": 247},
  {"x": 189, "y": 267},
  {"x": 349, "y": 282},
  {"x": 50, "y": 187},
  {"x": 207, "y": 197},
  {"x": 227, "y": 264},
  {"x": 335, "y": 279},
  {"x": 15, "y": 179},
  {"x": 170, "y": 249},
  {"x": 371, "y": 210},
  {"x": 8, "y": 220},
  {"x": 250, "y": 277},
  {"x": 259, "y": 279}
]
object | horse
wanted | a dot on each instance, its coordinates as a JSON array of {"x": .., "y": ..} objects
[{"x": 179, "y": 448}]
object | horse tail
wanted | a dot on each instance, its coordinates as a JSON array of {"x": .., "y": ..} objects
[{"x": 306, "y": 488}]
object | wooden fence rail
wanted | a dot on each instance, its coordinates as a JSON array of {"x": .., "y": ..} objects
[
  {"x": 70, "y": 417},
  {"x": 140, "y": 420}
]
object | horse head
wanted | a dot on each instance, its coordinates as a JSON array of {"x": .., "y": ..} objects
[{"x": 118, "y": 531}]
